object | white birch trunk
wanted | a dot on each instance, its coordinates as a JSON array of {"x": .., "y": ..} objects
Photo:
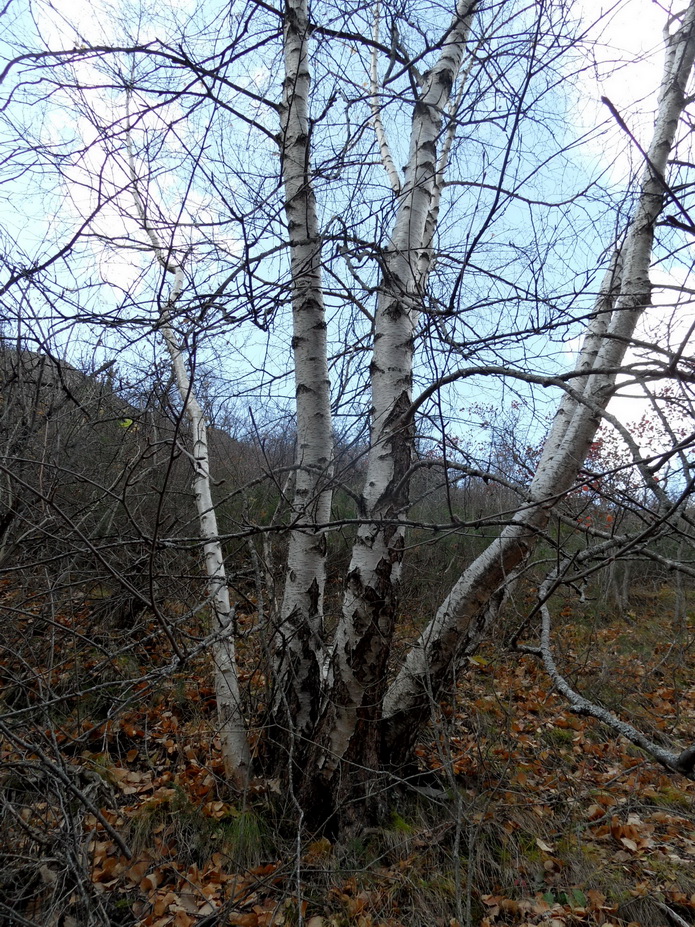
[
  {"x": 461, "y": 620},
  {"x": 350, "y": 724},
  {"x": 379, "y": 131},
  {"x": 231, "y": 724},
  {"x": 297, "y": 643}
]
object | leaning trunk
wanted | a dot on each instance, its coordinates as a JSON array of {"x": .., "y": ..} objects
[
  {"x": 231, "y": 723},
  {"x": 463, "y": 617}
]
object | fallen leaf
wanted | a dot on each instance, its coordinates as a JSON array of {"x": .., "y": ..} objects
[{"x": 240, "y": 919}]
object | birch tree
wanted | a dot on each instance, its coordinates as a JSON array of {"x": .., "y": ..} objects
[
  {"x": 352, "y": 729},
  {"x": 299, "y": 634},
  {"x": 232, "y": 727},
  {"x": 364, "y": 635},
  {"x": 384, "y": 276},
  {"x": 625, "y": 294}
]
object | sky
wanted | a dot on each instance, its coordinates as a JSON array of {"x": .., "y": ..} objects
[{"x": 631, "y": 34}]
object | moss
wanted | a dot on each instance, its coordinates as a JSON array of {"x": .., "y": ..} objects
[
  {"x": 671, "y": 797},
  {"x": 399, "y": 824},
  {"x": 559, "y": 736}
]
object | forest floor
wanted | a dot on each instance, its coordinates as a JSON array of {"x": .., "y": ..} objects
[{"x": 531, "y": 815}]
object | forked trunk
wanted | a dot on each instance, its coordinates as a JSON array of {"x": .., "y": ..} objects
[{"x": 347, "y": 743}]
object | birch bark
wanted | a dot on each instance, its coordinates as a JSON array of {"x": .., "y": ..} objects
[
  {"x": 298, "y": 637},
  {"x": 236, "y": 754},
  {"x": 349, "y": 727},
  {"x": 463, "y": 617}
]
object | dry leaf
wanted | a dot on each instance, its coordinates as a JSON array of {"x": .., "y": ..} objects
[
  {"x": 247, "y": 919},
  {"x": 136, "y": 873}
]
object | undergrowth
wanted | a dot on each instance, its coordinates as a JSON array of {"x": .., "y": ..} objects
[{"x": 523, "y": 813}]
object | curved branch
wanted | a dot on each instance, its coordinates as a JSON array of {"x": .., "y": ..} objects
[{"x": 682, "y": 762}]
